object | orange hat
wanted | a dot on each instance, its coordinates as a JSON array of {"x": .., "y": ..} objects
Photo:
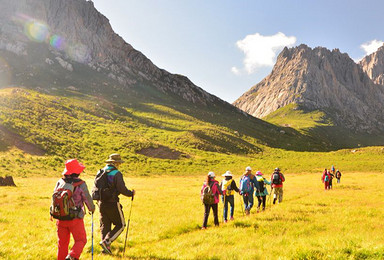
[{"x": 73, "y": 166}]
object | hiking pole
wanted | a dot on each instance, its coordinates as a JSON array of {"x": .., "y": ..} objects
[
  {"x": 92, "y": 236},
  {"x": 129, "y": 220},
  {"x": 224, "y": 207},
  {"x": 241, "y": 203}
]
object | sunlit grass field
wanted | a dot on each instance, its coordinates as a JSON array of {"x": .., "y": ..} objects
[{"x": 344, "y": 223}]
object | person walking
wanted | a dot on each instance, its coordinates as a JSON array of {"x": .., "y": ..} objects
[
  {"x": 333, "y": 169},
  {"x": 111, "y": 211},
  {"x": 262, "y": 193},
  {"x": 277, "y": 180},
  {"x": 331, "y": 176},
  {"x": 210, "y": 193},
  {"x": 248, "y": 184},
  {"x": 75, "y": 224},
  {"x": 228, "y": 186},
  {"x": 325, "y": 179},
  {"x": 338, "y": 176}
]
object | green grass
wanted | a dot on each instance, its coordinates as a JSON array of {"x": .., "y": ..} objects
[{"x": 344, "y": 223}]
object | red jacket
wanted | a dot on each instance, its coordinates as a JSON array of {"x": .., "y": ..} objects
[
  {"x": 216, "y": 191},
  {"x": 282, "y": 178}
]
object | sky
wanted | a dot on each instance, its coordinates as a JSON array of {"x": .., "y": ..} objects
[{"x": 228, "y": 46}]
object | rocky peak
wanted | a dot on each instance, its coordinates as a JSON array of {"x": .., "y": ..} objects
[
  {"x": 373, "y": 65},
  {"x": 76, "y": 32},
  {"x": 318, "y": 79}
]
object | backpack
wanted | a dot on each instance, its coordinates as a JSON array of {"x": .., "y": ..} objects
[
  {"x": 261, "y": 184},
  {"x": 102, "y": 190},
  {"x": 63, "y": 206},
  {"x": 208, "y": 197},
  {"x": 326, "y": 178},
  {"x": 245, "y": 184},
  {"x": 276, "y": 178}
]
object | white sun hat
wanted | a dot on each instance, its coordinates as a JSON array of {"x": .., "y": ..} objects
[
  {"x": 211, "y": 174},
  {"x": 248, "y": 168},
  {"x": 228, "y": 173}
]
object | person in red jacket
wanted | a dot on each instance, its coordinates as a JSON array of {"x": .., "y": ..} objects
[
  {"x": 277, "y": 180},
  {"x": 325, "y": 179},
  {"x": 75, "y": 226},
  {"x": 214, "y": 186}
]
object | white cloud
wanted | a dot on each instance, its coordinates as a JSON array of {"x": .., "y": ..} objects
[
  {"x": 371, "y": 47},
  {"x": 261, "y": 51}
]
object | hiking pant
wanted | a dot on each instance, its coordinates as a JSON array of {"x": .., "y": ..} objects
[
  {"x": 248, "y": 201},
  {"x": 207, "y": 209},
  {"x": 231, "y": 200},
  {"x": 261, "y": 199},
  {"x": 330, "y": 184},
  {"x": 338, "y": 180},
  {"x": 326, "y": 185},
  {"x": 111, "y": 213},
  {"x": 64, "y": 230},
  {"x": 278, "y": 193}
]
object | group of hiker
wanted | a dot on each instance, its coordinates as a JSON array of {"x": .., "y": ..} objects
[
  {"x": 70, "y": 195},
  {"x": 328, "y": 175},
  {"x": 249, "y": 186}
]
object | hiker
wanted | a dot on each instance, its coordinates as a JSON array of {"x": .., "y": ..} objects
[
  {"x": 228, "y": 186},
  {"x": 325, "y": 179},
  {"x": 331, "y": 176},
  {"x": 338, "y": 176},
  {"x": 277, "y": 180},
  {"x": 111, "y": 211},
  {"x": 210, "y": 197},
  {"x": 262, "y": 193},
  {"x": 333, "y": 169},
  {"x": 248, "y": 184},
  {"x": 74, "y": 224}
]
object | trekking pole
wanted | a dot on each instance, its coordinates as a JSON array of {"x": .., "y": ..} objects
[
  {"x": 224, "y": 207},
  {"x": 92, "y": 236},
  {"x": 129, "y": 220}
]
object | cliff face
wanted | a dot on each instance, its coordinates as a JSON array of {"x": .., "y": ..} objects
[
  {"x": 319, "y": 79},
  {"x": 76, "y": 32},
  {"x": 373, "y": 65}
]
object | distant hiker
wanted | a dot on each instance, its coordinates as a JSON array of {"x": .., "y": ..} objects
[
  {"x": 333, "y": 169},
  {"x": 248, "y": 184},
  {"x": 331, "y": 176},
  {"x": 277, "y": 180},
  {"x": 262, "y": 193},
  {"x": 210, "y": 197},
  {"x": 111, "y": 211},
  {"x": 228, "y": 186},
  {"x": 325, "y": 179},
  {"x": 68, "y": 200},
  {"x": 338, "y": 176}
]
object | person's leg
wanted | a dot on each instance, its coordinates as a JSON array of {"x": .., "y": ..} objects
[
  {"x": 215, "y": 214},
  {"x": 274, "y": 195},
  {"x": 281, "y": 195},
  {"x": 264, "y": 198},
  {"x": 259, "y": 201},
  {"x": 225, "y": 210},
  {"x": 80, "y": 237},
  {"x": 207, "y": 208},
  {"x": 105, "y": 221},
  {"x": 250, "y": 204},
  {"x": 246, "y": 202},
  {"x": 231, "y": 201},
  {"x": 117, "y": 218},
  {"x": 63, "y": 236}
]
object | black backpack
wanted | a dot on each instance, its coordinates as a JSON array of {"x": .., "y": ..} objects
[
  {"x": 276, "y": 178},
  {"x": 261, "y": 185},
  {"x": 102, "y": 190}
]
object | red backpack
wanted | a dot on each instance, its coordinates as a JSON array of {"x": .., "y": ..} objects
[{"x": 63, "y": 206}]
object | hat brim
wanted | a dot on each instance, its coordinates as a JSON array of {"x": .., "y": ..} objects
[
  {"x": 112, "y": 161},
  {"x": 227, "y": 175},
  {"x": 79, "y": 171}
]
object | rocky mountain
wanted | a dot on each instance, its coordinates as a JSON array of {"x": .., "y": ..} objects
[
  {"x": 320, "y": 79},
  {"x": 77, "y": 33},
  {"x": 373, "y": 65}
]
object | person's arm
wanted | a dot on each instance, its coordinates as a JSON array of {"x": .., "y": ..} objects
[
  {"x": 87, "y": 198},
  {"x": 219, "y": 188},
  {"x": 255, "y": 183},
  {"x": 282, "y": 177},
  {"x": 234, "y": 186},
  {"x": 120, "y": 185},
  {"x": 266, "y": 181}
]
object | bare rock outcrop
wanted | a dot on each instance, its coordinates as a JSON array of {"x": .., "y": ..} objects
[
  {"x": 319, "y": 79},
  {"x": 7, "y": 181},
  {"x": 76, "y": 31},
  {"x": 373, "y": 65}
]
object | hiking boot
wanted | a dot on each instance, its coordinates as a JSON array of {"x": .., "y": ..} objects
[
  {"x": 232, "y": 218},
  {"x": 71, "y": 258},
  {"x": 225, "y": 221},
  {"x": 203, "y": 228},
  {"x": 106, "y": 247}
]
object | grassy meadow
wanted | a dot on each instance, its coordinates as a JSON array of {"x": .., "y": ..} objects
[{"x": 344, "y": 223}]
